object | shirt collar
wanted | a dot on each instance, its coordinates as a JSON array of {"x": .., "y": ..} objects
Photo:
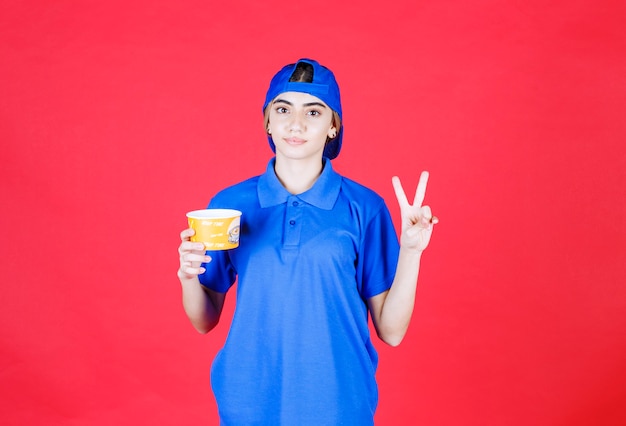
[{"x": 323, "y": 194}]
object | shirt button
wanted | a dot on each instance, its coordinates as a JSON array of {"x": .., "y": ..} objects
[
  {"x": 295, "y": 203},
  {"x": 292, "y": 222}
]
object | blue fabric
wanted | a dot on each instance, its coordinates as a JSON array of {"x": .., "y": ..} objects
[{"x": 299, "y": 349}]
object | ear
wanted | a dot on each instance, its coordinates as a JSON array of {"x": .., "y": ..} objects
[{"x": 332, "y": 132}]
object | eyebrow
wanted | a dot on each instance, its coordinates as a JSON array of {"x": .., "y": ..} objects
[{"x": 308, "y": 104}]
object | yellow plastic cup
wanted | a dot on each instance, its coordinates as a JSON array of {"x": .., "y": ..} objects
[{"x": 218, "y": 229}]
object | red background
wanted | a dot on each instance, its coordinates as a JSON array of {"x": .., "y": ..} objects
[{"x": 118, "y": 117}]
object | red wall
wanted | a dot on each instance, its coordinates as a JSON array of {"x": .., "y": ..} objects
[{"x": 117, "y": 118}]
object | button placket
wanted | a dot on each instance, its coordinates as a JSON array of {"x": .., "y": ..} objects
[{"x": 293, "y": 221}]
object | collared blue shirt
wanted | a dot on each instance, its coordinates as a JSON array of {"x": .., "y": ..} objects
[{"x": 299, "y": 348}]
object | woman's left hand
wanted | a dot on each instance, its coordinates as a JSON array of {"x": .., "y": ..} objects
[{"x": 417, "y": 220}]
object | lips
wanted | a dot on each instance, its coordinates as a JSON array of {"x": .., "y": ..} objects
[{"x": 295, "y": 141}]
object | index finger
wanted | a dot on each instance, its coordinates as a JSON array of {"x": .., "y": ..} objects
[
  {"x": 420, "y": 192},
  {"x": 400, "y": 195},
  {"x": 187, "y": 234}
]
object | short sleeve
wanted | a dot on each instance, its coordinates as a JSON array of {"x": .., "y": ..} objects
[
  {"x": 378, "y": 255},
  {"x": 220, "y": 274}
]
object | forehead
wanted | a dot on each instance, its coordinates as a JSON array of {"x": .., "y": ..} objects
[{"x": 299, "y": 98}]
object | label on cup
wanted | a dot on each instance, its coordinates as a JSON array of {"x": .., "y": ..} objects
[{"x": 217, "y": 229}]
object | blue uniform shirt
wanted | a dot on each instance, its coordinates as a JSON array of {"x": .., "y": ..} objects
[{"x": 299, "y": 350}]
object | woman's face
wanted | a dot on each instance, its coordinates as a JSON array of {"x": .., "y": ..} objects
[{"x": 300, "y": 124}]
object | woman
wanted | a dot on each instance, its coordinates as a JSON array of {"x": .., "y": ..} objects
[{"x": 318, "y": 252}]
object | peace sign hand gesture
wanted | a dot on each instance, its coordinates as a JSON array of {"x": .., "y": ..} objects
[{"x": 417, "y": 220}]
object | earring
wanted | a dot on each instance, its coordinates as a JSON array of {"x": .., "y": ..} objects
[{"x": 269, "y": 131}]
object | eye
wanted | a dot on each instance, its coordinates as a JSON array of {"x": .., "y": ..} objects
[
  {"x": 314, "y": 113},
  {"x": 281, "y": 109}
]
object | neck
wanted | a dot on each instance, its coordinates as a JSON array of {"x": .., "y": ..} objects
[{"x": 298, "y": 176}]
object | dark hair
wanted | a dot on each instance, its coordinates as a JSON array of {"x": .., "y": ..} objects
[{"x": 303, "y": 73}]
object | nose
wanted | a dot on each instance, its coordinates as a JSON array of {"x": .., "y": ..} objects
[{"x": 296, "y": 124}]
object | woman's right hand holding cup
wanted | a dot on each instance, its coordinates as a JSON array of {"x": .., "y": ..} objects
[{"x": 192, "y": 256}]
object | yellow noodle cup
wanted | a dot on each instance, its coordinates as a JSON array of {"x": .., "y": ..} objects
[{"x": 218, "y": 229}]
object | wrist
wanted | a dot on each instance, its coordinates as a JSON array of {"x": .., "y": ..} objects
[
  {"x": 411, "y": 253},
  {"x": 187, "y": 279}
]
